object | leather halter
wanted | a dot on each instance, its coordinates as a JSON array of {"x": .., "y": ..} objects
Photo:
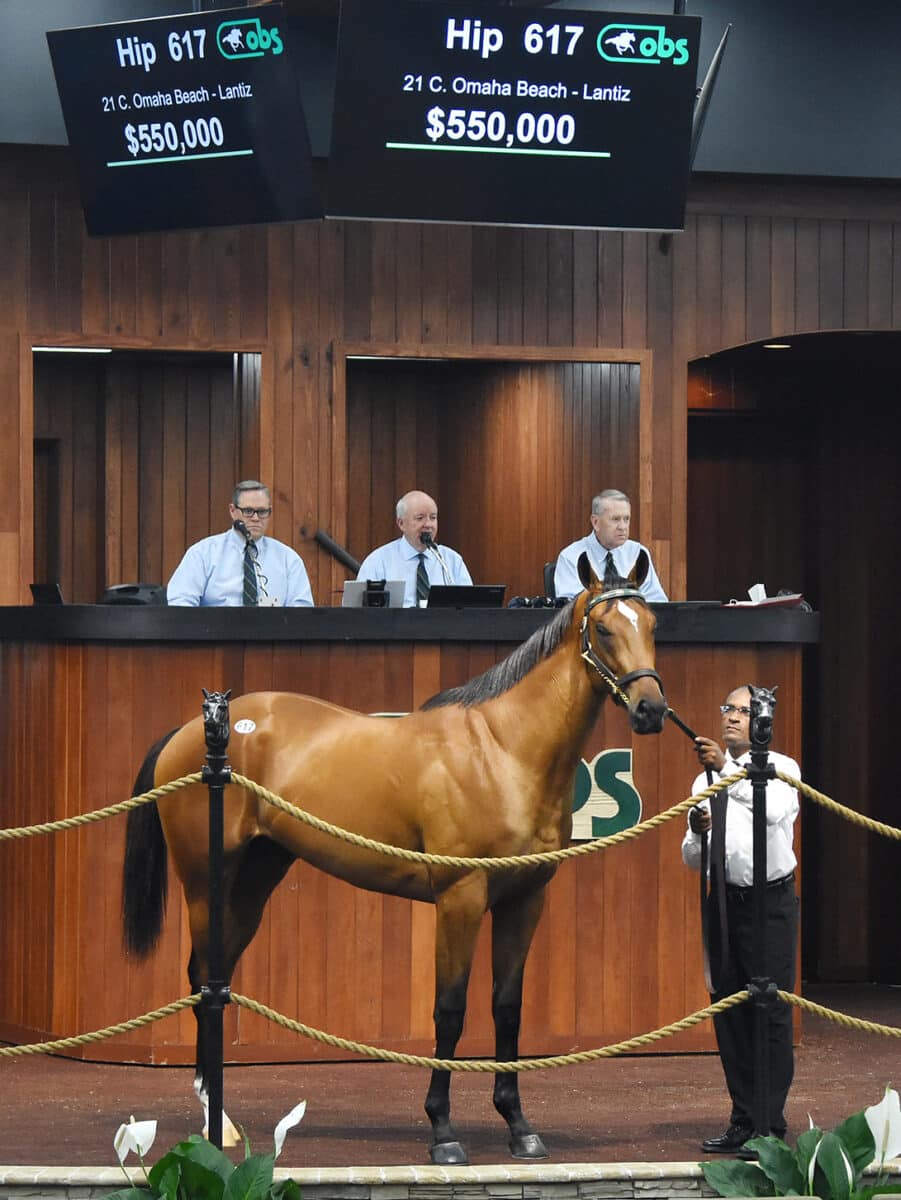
[{"x": 615, "y": 684}]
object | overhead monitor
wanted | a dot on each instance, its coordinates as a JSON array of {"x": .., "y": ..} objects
[
  {"x": 185, "y": 122},
  {"x": 508, "y": 115}
]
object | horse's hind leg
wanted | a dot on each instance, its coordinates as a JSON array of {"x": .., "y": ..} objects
[
  {"x": 249, "y": 882},
  {"x": 513, "y": 924},
  {"x": 459, "y": 913}
]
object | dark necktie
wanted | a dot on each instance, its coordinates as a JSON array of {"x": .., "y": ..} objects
[
  {"x": 250, "y": 595},
  {"x": 610, "y": 571},
  {"x": 422, "y": 579}
]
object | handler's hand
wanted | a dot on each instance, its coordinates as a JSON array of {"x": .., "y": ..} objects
[
  {"x": 709, "y": 754},
  {"x": 699, "y": 819}
]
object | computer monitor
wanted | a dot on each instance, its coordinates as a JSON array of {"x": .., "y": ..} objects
[
  {"x": 46, "y": 593},
  {"x": 461, "y": 595},
  {"x": 373, "y": 593}
]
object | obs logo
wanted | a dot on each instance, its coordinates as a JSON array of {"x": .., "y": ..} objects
[
  {"x": 604, "y": 797},
  {"x": 641, "y": 44},
  {"x": 247, "y": 39}
]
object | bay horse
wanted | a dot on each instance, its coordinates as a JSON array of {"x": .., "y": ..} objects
[{"x": 483, "y": 770}]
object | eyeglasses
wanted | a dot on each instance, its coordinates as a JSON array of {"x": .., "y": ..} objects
[
  {"x": 255, "y": 512},
  {"x": 725, "y": 709}
]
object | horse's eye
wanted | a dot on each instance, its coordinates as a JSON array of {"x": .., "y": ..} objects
[{"x": 602, "y": 629}]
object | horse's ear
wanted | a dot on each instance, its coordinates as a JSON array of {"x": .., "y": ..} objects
[
  {"x": 206, "y": 694},
  {"x": 227, "y": 694},
  {"x": 587, "y": 574},
  {"x": 639, "y": 572}
]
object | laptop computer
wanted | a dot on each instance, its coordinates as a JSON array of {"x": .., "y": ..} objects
[
  {"x": 461, "y": 595},
  {"x": 46, "y": 593},
  {"x": 360, "y": 593}
]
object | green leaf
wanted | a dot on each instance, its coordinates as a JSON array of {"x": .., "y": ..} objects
[
  {"x": 804, "y": 1150},
  {"x": 199, "y": 1182},
  {"x": 289, "y": 1189},
  {"x": 856, "y": 1136},
  {"x": 736, "y": 1178},
  {"x": 834, "y": 1168},
  {"x": 778, "y": 1163},
  {"x": 167, "y": 1180},
  {"x": 251, "y": 1179}
]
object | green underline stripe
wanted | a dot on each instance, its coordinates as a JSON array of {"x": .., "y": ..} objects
[
  {"x": 149, "y": 162},
  {"x": 498, "y": 150}
]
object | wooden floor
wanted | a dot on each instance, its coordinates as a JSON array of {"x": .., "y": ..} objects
[{"x": 653, "y": 1108}]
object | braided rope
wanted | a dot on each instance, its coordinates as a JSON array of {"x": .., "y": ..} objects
[
  {"x": 838, "y": 1017},
  {"x": 98, "y": 1035},
  {"x": 100, "y": 814},
  {"x": 487, "y": 864},
  {"x": 849, "y": 814},
  {"x": 488, "y": 1066}
]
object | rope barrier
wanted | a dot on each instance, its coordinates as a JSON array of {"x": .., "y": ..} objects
[
  {"x": 99, "y": 1035},
  {"x": 488, "y": 864},
  {"x": 849, "y": 814},
  {"x": 100, "y": 814}
]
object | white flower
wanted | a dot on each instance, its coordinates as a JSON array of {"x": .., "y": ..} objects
[
  {"x": 135, "y": 1137},
  {"x": 287, "y": 1122},
  {"x": 884, "y": 1120}
]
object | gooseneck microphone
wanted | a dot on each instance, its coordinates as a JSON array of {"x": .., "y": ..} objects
[
  {"x": 429, "y": 542},
  {"x": 241, "y": 528}
]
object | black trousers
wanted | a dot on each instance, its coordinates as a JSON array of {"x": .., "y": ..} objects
[{"x": 735, "y": 1028}]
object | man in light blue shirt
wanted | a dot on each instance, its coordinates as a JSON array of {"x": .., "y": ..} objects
[
  {"x": 215, "y": 572},
  {"x": 608, "y": 547},
  {"x": 417, "y": 514}
]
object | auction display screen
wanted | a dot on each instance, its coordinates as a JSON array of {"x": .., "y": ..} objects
[
  {"x": 186, "y": 121},
  {"x": 513, "y": 116}
]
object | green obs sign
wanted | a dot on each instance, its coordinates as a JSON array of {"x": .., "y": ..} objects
[
  {"x": 604, "y": 797},
  {"x": 641, "y": 44}
]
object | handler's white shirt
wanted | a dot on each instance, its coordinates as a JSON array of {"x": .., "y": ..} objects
[{"x": 781, "y": 809}]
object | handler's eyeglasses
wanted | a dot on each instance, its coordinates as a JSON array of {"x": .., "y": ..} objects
[
  {"x": 725, "y": 709},
  {"x": 255, "y": 512}
]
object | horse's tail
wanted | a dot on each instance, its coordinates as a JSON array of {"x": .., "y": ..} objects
[{"x": 145, "y": 874}]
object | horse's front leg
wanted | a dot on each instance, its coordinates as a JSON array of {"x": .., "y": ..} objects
[
  {"x": 458, "y": 914},
  {"x": 513, "y": 925}
]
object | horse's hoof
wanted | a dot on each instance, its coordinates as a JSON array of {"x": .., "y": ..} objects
[
  {"x": 448, "y": 1154},
  {"x": 528, "y": 1145}
]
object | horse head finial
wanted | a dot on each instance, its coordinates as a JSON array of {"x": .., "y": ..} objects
[
  {"x": 763, "y": 711},
  {"x": 216, "y": 724}
]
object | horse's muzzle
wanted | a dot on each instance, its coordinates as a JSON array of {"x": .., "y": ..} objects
[{"x": 647, "y": 713}]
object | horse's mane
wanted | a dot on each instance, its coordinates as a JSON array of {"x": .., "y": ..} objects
[{"x": 503, "y": 675}]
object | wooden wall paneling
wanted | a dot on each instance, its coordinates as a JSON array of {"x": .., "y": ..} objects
[
  {"x": 150, "y": 486},
  {"x": 248, "y": 381},
  {"x": 536, "y": 306},
  {"x": 149, "y": 306},
  {"x": 175, "y": 285},
  {"x": 383, "y": 300},
  {"x": 561, "y": 317},
  {"x": 332, "y": 498},
  {"x": 14, "y": 245},
  {"x": 855, "y": 314},
  {"x": 832, "y": 282},
  {"x": 807, "y": 274},
  {"x": 226, "y": 280},
  {"x": 635, "y": 289},
  {"x": 123, "y": 287},
  {"x": 40, "y": 239},
  {"x": 732, "y": 298},
  {"x": 280, "y": 322},
  {"x": 301, "y": 502},
  {"x": 879, "y": 276},
  {"x": 895, "y": 269},
  {"x": 611, "y": 297},
  {"x": 69, "y": 233},
  {"x": 461, "y": 289},
  {"x": 483, "y": 301},
  {"x": 585, "y": 290},
  {"x": 783, "y": 285},
  {"x": 511, "y": 285},
  {"x": 202, "y": 297},
  {"x": 707, "y": 236},
  {"x": 96, "y": 278},
  {"x": 357, "y": 280},
  {"x": 408, "y": 259},
  {"x": 181, "y": 391},
  {"x": 252, "y": 283},
  {"x": 434, "y": 283},
  {"x": 759, "y": 266},
  {"x": 361, "y": 507}
]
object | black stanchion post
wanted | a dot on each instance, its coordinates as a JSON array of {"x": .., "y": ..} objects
[
  {"x": 761, "y": 987},
  {"x": 215, "y": 994}
]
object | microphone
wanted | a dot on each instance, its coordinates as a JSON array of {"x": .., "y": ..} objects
[
  {"x": 243, "y": 530},
  {"x": 429, "y": 542}
]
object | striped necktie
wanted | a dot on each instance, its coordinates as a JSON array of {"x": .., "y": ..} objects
[
  {"x": 610, "y": 571},
  {"x": 250, "y": 595},
  {"x": 422, "y": 580}
]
